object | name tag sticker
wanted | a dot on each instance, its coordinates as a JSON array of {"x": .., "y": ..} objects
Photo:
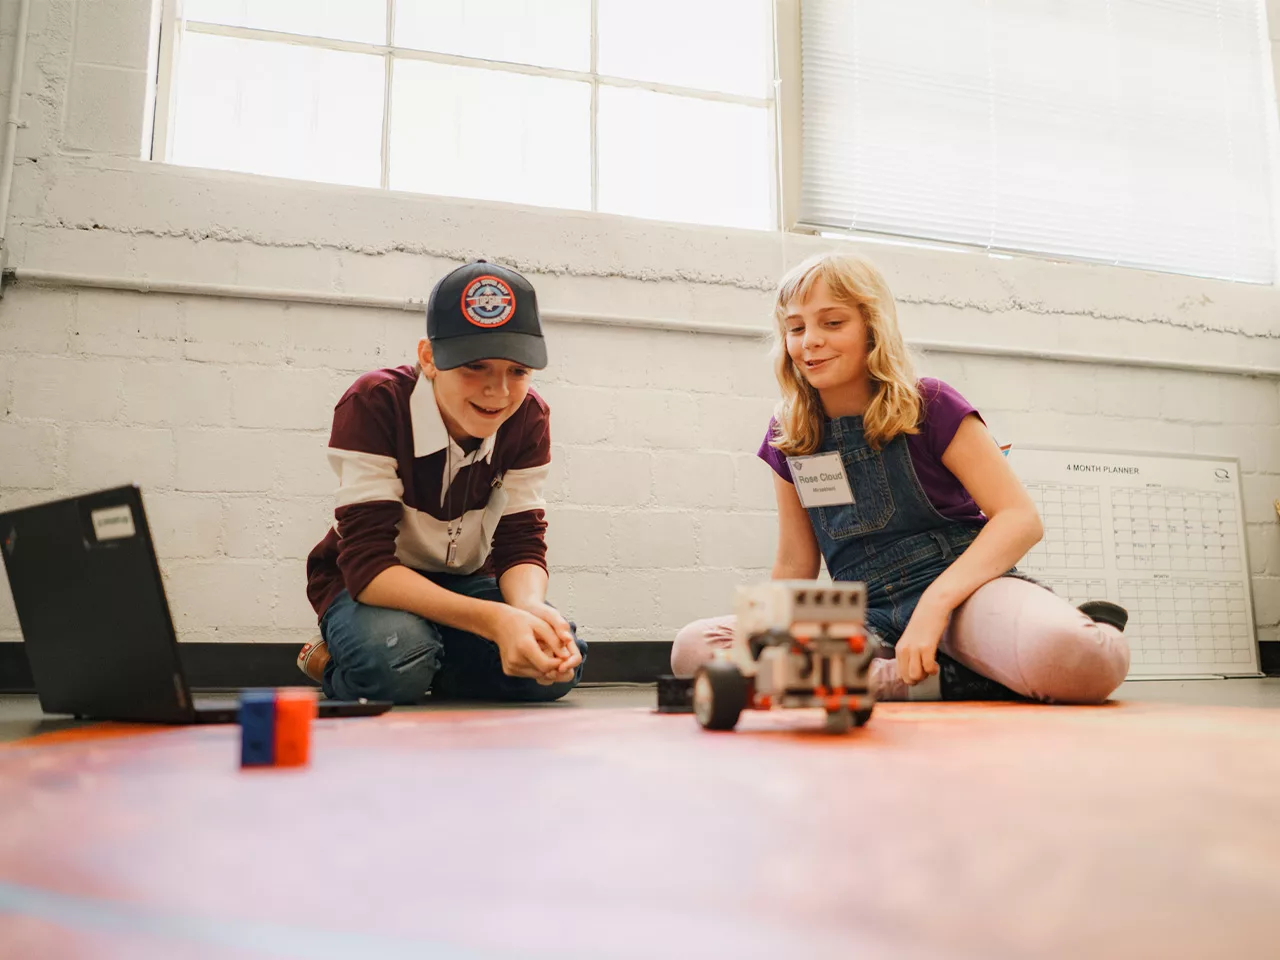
[
  {"x": 820, "y": 480},
  {"x": 113, "y": 523}
]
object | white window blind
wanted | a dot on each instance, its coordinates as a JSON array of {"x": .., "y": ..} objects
[{"x": 1134, "y": 132}]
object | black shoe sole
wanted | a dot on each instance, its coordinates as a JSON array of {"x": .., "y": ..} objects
[
  {"x": 675, "y": 694},
  {"x": 1103, "y": 611}
]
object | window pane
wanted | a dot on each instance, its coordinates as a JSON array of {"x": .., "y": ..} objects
[
  {"x": 279, "y": 109},
  {"x": 677, "y": 158},
  {"x": 724, "y": 45},
  {"x": 546, "y": 33},
  {"x": 364, "y": 21},
  {"x": 490, "y": 135}
]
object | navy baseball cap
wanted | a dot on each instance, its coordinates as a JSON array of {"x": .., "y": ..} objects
[{"x": 484, "y": 311}]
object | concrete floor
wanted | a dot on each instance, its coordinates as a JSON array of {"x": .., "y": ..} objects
[
  {"x": 1144, "y": 828},
  {"x": 596, "y": 828},
  {"x": 20, "y": 715}
]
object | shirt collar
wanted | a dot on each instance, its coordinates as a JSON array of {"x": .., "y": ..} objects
[{"x": 429, "y": 432}]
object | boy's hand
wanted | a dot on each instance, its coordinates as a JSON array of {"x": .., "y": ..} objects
[
  {"x": 527, "y": 645},
  {"x": 552, "y": 618},
  {"x": 566, "y": 651}
]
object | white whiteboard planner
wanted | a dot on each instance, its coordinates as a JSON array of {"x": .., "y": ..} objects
[{"x": 1163, "y": 537}]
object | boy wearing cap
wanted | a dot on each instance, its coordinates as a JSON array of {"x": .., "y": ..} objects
[{"x": 433, "y": 576}]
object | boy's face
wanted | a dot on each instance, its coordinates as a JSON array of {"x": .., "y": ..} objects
[{"x": 476, "y": 398}]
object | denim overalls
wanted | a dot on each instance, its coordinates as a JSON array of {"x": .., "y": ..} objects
[{"x": 892, "y": 539}]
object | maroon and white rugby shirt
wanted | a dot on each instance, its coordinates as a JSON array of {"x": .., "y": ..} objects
[{"x": 396, "y": 503}]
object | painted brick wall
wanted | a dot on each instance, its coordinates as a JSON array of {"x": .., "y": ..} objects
[{"x": 658, "y": 507}]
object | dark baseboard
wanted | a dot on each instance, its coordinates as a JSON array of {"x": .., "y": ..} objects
[
  {"x": 230, "y": 666},
  {"x": 15, "y": 674},
  {"x": 627, "y": 661},
  {"x": 208, "y": 666},
  {"x": 1269, "y": 657}
]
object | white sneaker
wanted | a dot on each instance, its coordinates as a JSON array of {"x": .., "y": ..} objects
[
  {"x": 887, "y": 685},
  {"x": 312, "y": 658},
  {"x": 883, "y": 679}
]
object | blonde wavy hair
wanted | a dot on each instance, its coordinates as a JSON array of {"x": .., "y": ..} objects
[{"x": 895, "y": 405}]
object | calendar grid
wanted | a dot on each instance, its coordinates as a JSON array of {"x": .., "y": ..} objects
[
  {"x": 1172, "y": 622},
  {"x": 1161, "y": 536},
  {"x": 1174, "y": 530},
  {"x": 1072, "y": 517}
]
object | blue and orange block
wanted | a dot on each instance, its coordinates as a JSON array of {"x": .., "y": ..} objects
[{"x": 275, "y": 727}]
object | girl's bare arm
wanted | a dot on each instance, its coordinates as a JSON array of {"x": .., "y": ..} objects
[
  {"x": 798, "y": 555},
  {"x": 1013, "y": 526}
]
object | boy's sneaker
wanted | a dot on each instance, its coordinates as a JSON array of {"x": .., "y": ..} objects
[
  {"x": 312, "y": 658},
  {"x": 1103, "y": 611}
]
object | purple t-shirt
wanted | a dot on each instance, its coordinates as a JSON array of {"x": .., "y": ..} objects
[{"x": 944, "y": 408}]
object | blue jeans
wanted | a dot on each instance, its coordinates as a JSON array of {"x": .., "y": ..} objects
[{"x": 385, "y": 654}]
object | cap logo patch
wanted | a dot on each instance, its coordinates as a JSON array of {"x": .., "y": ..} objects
[{"x": 488, "y": 302}]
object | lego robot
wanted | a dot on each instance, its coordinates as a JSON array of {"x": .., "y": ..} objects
[{"x": 797, "y": 643}]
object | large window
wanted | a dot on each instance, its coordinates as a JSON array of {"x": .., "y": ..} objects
[
  {"x": 1135, "y": 132},
  {"x": 661, "y": 108},
  {"x": 1130, "y": 132}
]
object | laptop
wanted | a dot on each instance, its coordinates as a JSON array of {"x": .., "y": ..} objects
[{"x": 95, "y": 619}]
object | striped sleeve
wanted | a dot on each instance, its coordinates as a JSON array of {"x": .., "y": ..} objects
[
  {"x": 369, "y": 505},
  {"x": 520, "y": 536}
]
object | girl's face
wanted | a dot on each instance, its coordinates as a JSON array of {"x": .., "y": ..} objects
[
  {"x": 827, "y": 340},
  {"x": 475, "y": 399}
]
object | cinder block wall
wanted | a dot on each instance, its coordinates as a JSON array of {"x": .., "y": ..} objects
[{"x": 219, "y": 407}]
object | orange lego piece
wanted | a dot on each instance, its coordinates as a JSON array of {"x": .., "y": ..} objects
[{"x": 295, "y": 709}]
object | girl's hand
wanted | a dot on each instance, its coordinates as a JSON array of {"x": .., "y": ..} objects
[{"x": 917, "y": 648}]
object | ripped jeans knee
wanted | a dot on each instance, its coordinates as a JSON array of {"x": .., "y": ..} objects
[{"x": 378, "y": 653}]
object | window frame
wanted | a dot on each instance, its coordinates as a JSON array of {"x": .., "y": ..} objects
[
  {"x": 173, "y": 25},
  {"x": 789, "y": 113}
]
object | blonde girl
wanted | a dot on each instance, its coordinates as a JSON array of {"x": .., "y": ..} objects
[{"x": 896, "y": 482}]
